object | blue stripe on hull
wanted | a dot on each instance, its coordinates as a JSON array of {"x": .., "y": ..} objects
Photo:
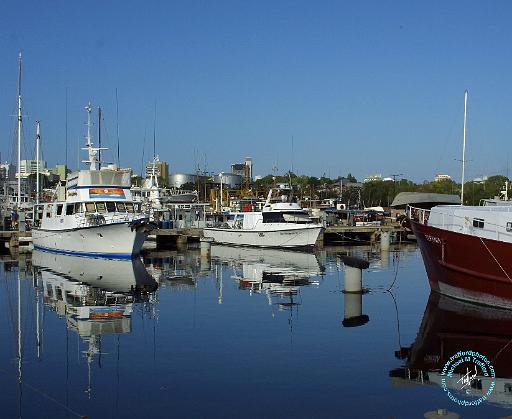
[{"x": 87, "y": 254}]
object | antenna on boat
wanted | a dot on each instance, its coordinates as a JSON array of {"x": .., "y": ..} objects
[
  {"x": 99, "y": 136},
  {"x": 117, "y": 130},
  {"x": 92, "y": 151},
  {"x": 66, "y": 147},
  {"x": 464, "y": 146}
]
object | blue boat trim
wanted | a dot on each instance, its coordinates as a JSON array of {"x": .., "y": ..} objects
[
  {"x": 97, "y": 187},
  {"x": 87, "y": 254}
]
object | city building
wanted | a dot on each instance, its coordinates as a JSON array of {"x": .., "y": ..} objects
[
  {"x": 28, "y": 167},
  {"x": 244, "y": 169},
  {"x": 373, "y": 178},
  {"x": 161, "y": 168},
  {"x": 441, "y": 177},
  {"x": 61, "y": 171}
]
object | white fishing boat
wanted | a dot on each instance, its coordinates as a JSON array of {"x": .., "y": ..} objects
[
  {"x": 96, "y": 217},
  {"x": 281, "y": 224}
]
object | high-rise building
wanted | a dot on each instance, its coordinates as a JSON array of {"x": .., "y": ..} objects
[
  {"x": 61, "y": 171},
  {"x": 27, "y": 167},
  {"x": 244, "y": 169},
  {"x": 161, "y": 169}
]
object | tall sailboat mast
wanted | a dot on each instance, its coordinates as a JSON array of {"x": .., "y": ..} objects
[
  {"x": 19, "y": 133},
  {"x": 464, "y": 146},
  {"x": 38, "y": 140}
]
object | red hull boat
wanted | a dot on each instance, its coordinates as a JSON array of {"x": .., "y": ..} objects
[{"x": 467, "y": 264}]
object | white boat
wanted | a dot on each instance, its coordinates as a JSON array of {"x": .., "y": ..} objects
[
  {"x": 97, "y": 216},
  {"x": 282, "y": 224}
]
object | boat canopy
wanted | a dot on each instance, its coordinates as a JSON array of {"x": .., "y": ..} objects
[{"x": 423, "y": 199}]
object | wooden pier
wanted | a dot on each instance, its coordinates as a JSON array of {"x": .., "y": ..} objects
[{"x": 368, "y": 233}]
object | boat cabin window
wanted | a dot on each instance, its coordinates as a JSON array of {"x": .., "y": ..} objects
[
  {"x": 286, "y": 217},
  {"x": 111, "y": 206},
  {"x": 121, "y": 207},
  {"x": 79, "y": 207},
  {"x": 49, "y": 290},
  {"x": 59, "y": 209},
  {"x": 49, "y": 210},
  {"x": 70, "y": 209},
  {"x": 129, "y": 207},
  {"x": 136, "y": 207},
  {"x": 509, "y": 226},
  {"x": 100, "y": 207},
  {"x": 38, "y": 213},
  {"x": 478, "y": 222},
  {"x": 90, "y": 207}
]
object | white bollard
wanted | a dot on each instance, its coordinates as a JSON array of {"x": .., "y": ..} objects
[
  {"x": 353, "y": 279},
  {"x": 385, "y": 239}
]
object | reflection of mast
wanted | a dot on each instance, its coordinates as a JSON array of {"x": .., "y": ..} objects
[
  {"x": 89, "y": 354},
  {"x": 220, "y": 285},
  {"x": 20, "y": 350}
]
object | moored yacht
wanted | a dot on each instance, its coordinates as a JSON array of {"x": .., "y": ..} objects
[
  {"x": 96, "y": 216},
  {"x": 279, "y": 224}
]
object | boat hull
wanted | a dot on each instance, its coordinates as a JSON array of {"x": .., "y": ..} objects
[
  {"x": 466, "y": 267},
  {"x": 117, "y": 240},
  {"x": 299, "y": 236}
]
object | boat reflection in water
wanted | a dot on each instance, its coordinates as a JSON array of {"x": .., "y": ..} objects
[
  {"x": 276, "y": 273},
  {"x": 450, "y": 326},
  {"x": 95, "y": 295}
]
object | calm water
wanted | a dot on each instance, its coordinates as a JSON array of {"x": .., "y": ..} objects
[{"x": 249, "y": 333}]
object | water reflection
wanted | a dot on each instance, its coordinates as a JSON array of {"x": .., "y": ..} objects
[
  {"x": 95, "y": 296},
  {"x": 449, "y": 326},
  {"x": 276, "y": 273}
]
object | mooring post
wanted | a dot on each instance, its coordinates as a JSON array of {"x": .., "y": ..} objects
[{"x": 353, "y": 290}]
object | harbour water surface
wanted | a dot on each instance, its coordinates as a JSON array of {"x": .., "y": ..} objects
[{"x": 252, "y": 333}]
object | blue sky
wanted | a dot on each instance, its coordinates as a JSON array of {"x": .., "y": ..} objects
[{"x": 363, "y": 87}]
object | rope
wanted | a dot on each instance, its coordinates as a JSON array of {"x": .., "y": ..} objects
[
  {"x": 396, "y": 273},
  {"x": 496, "y": 260}
]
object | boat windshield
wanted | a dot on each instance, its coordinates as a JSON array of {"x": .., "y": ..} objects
[{"x": 286, "y": 217}]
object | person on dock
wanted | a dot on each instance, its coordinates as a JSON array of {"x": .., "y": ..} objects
[{"x": 14, "y": 219}]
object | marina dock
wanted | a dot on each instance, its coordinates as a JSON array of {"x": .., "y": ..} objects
[{"x": 171, "y": 238}]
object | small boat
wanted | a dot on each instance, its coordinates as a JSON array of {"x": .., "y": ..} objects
[
  {"x": 281, "y": 224},
  {"x": 96, "y": 215}
]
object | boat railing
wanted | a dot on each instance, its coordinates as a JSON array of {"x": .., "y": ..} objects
[
  {"x": 97, "y": 219},
  {"x": 420, "y": 215}
]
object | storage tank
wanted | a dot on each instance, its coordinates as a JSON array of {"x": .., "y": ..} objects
[
  {"x": 177, "y": 180},
  {"x": 229, "y": 180}
]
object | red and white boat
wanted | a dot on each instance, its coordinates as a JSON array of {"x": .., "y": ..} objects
[{"x": 467, "y": 251}]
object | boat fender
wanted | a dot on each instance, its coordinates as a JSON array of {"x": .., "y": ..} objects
[{"x": 355, "y": 262}]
